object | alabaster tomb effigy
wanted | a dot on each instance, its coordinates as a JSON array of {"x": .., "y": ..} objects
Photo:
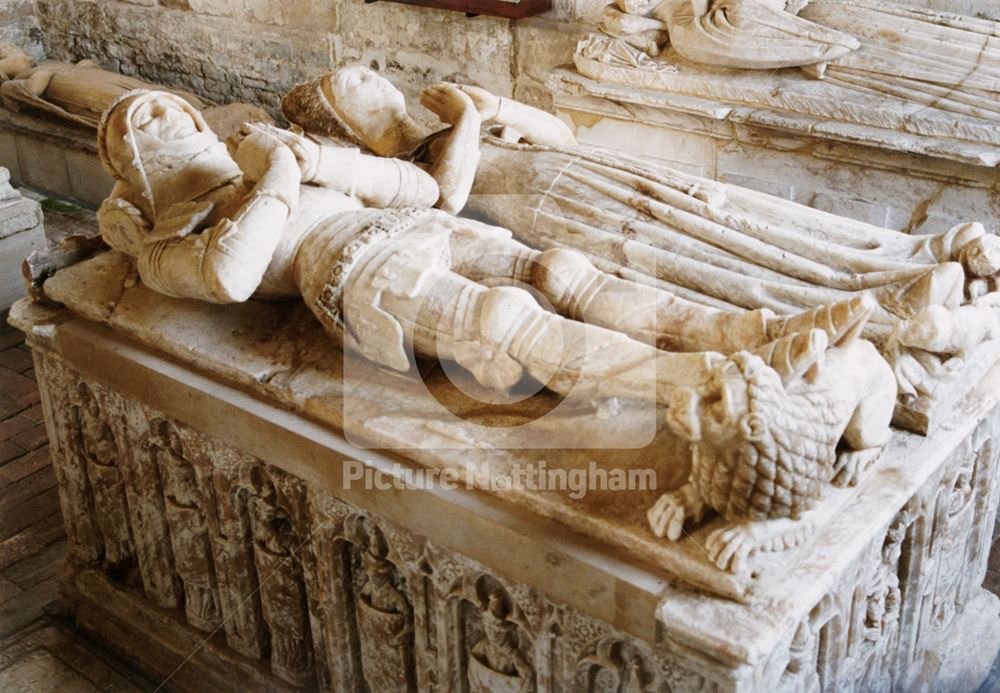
[
  {"x": 49, "y": 113},
  {"x": 880, "y": 111},
  {"x": 277, "y": 320}
]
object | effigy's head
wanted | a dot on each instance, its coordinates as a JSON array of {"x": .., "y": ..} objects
[
  {"x": 161, "y": 146},
  {"x": 777, "y": 441},
  {"x": 14, "y": 62},
  {"x": 981, "y": 256},
  {"x": 306, "y": 106},
  {"x": 367, "y": 103},
  {"x": 497, "y": 603}
]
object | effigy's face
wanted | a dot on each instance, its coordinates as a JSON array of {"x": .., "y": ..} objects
[
  {"x": 366, "y": 100},
  {"x": 164, "y": 120}
]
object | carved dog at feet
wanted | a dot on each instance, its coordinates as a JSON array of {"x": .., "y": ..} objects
[{"x": 766, "y": 448}]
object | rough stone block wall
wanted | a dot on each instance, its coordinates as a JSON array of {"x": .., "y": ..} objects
[
  {"x": 254, "y": 50},
  {"x": 18, "y": 25}
]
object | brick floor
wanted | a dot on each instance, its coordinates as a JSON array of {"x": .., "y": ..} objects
[
  {"x": 39, "y": 650},
  {"x": 30, "y": 523}
]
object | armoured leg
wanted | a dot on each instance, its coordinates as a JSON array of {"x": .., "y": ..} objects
[
  {"x": 578, "y": 290},
  {"x": 501, "y": 332}
]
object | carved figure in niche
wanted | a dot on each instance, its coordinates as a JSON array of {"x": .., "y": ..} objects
[
  {"x": 722, "y": 247},
  {"x": 69, "y": 462},
  {"x": 496, "y": 661},
  {"x": 951, "y": 538},
  {"x": 185, "y": 506},
  {"x": 385, "y": 618},
  {"x": 387, "y": 281},
  {"x": 100, "y": 450},
  {"x": 870, "y": 45},
  {"x": 800, "y": 672},
  {"x": 882, "y": 604},
  {"x": 619, "y": 666},
  {"x": 79, "y": 93},
  {"x": 809, "y": 666},
  {"x": 279, "y": 573}
]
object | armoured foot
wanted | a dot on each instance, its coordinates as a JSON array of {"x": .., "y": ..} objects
[
  {"x": 853, "y": 465},
  {"x": 730, "y": 547},
  {"x": 671, "y": 510}
]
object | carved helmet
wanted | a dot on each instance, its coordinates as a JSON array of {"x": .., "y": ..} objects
[{"x": 179, "y": 162}]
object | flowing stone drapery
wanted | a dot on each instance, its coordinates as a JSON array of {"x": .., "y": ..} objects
[
  {"x": 709, "y": 243},
  {"x": 872, "y": 63}
]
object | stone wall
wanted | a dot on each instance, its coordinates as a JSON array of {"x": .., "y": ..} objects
[
  {"x": 18, "y": 25},
  {"x": 254, "y": 50}
]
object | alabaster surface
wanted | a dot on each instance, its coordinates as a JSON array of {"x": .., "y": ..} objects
[
  {"x": 914, "y": 183},
  {"x": 392, "y": 280},
  {"x": 50, "y": 114},
  {"x": 79, "y": 93},
  {"x": 434, "y": 421},
  {"x": 781, "y": 411},
  {"x": 885, "y": 133},
  {"x": 873, "y": 63},
  {"x": 716, "y": 245},
  {"x": 792, "y": 538},
  {"x": 225, "y": 428}
]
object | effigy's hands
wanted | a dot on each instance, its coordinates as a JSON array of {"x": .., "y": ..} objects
[
  {"x": 447, "y": 102},
  {"x": 486, "y": 102},
  {"x": 259, "y": 152},
  {"x": 123, "y": 226},
  {"x": 306, "y": 151}
]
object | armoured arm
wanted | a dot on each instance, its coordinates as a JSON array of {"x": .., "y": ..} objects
[
  {"x": 376, "y": 181},
  {"x": 225, "y": 263},
  {"x": 455, "y": 168},
  {"x": 533, "y": 124}
]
